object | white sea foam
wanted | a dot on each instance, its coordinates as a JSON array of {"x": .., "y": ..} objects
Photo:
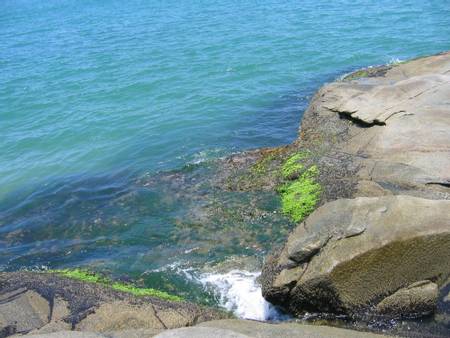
[
  {"x": 178, "y": 268},
  {"x": 395, "y": 61},
  {"x": 238, "y": 291}
]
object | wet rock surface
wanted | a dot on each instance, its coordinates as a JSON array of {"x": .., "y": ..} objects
[{"x": 382, "y": 142}]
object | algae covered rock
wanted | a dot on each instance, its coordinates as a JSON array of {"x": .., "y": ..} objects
[
  {"x": 417, "y": 299},
  {"x": 350, "y": 254}
]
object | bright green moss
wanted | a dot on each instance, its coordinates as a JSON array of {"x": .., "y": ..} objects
[
  {"x": 299, "y": 198},
  {"x": 90, "y": 277},
  {"x": 293, "y": 165}
]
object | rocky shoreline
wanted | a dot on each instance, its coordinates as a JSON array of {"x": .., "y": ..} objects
[
  {"x": 367, "y": 182},
  {"x": 379, "y": 243}
]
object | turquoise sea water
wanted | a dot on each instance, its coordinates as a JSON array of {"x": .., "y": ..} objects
[{"x": 99, "y": 98}]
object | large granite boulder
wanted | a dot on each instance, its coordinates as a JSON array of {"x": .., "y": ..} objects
[
  {"x": 380, "y": 139},
  {"x": 354, "y": 254}
]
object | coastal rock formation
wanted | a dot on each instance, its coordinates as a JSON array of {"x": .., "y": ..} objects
[
  {"x": 371, "y": 168},
  {"x": 380, "y": 241},
  {"x": 42, "y": 303},
  {"x": 351, "y": 253}
]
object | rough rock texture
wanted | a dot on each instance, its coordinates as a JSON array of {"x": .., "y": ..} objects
[
  {"x": 21, "y": 311},
  {"x": 59, "y": 313},
  {"x": 201, "y": 332},
  {"x": 382, "y": 145},
  {"x": 231, "y": 328},
  {"x": 265, "y": 330},
  {"x": 69, "y": 334},
  {"x": 354, "y": 252},
  {"x": 42, "y": 303},
  {"x": 423, "y": 295}
]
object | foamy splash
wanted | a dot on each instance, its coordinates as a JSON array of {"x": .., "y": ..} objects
[{"x": 238, "y": 291}]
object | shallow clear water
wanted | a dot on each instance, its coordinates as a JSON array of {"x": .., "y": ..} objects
[{"x": 97, "y": 98}]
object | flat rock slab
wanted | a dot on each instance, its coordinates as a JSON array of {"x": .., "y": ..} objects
[
  {"x": 22, "y": 310},
  {"x": 120, "y": 316},
  {"x": 265, "y": 330},
  {"x": 406, "y": 113},
  {"x": 69, "y": 334},
  {"x": 201, "y": 332}
]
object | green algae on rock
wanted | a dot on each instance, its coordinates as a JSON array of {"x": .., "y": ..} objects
[
  {"x": 90, "y": 277},
  {"x": 300, "y": 197},
  {"x": 293, "y": 166}
]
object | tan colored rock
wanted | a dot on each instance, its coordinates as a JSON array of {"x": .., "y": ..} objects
[
  {"x": 266, "y": 330},
  {"x": 120, "y": 316},
  {"x": 22, "y": 311},
  {"x": 370, "y": 189},
  {"x": 60, "y": 309},
  {"x": 136, "y": 333},
  {"x": 60, "y": 312},
  {"x": 69, "y": 334},
  {"x": 200, "y": 332},
  {"x": 53, "y": 327},
  {"x": 174, "y": 318},
  {"x": 413, "y": 145}
]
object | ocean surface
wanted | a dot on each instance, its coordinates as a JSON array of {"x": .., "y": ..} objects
[{"x": 110, "y": 111}]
